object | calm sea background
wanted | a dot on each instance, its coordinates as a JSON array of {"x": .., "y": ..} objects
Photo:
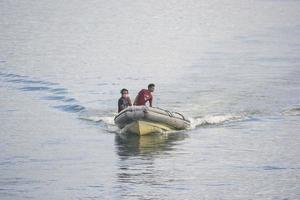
[{"x": 232, "y": 67}]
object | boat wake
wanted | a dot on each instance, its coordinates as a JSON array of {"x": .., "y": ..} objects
[
  {"x": 292, "y": 112},
  {"x": 214, "y": 120},
  {"x": 49, "y": 91},
  {"x": 99, "y": 117},
  {"x": 196, "y": 122},
  {"x": 96, "y": 115}
]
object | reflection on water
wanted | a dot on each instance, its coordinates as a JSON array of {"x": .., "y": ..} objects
[
  {"x": 131, "y": 145},
  {"x": 138, "y": 167}
]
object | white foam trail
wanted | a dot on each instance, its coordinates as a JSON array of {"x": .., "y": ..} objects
[
  {"x": 292, "y": 112},
  {"x": 91, "y": 118},
  {"x": 106, "y": 120},
  {"x": 97, "y": 116},
  {"x": 213, "y": 120}
]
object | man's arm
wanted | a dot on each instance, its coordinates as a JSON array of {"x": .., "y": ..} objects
[
  {"x": 120, "y": 107},
  {"x": 136, "y": 98}
]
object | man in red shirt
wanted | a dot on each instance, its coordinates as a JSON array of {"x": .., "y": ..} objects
[{"x": 144, "y": 96}]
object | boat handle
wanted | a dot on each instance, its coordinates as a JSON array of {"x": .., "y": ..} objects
[
  {"x": 180, "y": 115},
  {"x": 169, "y": 113}
]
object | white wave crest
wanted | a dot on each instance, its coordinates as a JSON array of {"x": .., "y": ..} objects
[{"x": 213, "y": 120}]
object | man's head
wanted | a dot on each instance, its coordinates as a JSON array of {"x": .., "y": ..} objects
[
  {"x": 124, "y": 92},
  {"x": 151, "y": 87}
]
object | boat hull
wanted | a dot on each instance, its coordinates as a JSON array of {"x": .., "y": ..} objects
[
  {"x": 143, "y": 120},
  {"x": 145, "y": 128}
]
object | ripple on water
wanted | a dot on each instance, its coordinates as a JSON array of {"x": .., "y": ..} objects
[
  {"x": 34, "y": 88},
  {"x": 74, "y": 108},
  {"x": 46, "y": 89},
  {"x": 59, "y": 98},
  {"x": 59, "y": 91}
]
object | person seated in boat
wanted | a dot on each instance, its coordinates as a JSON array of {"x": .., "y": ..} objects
[
  {"x": 145, "y": 96},
  {"x": 124, "y": 100}
]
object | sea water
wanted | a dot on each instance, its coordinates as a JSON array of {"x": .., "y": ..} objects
[{"x": 231, "y": 67}]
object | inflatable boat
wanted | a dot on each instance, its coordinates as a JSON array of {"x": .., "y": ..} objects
[{"x": 143, "y": 120}]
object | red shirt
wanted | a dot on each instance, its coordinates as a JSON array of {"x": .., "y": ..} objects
[{"x": 143, "y": 96}]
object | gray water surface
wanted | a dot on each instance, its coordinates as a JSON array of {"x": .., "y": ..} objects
[{"x": 231, "y": 67}]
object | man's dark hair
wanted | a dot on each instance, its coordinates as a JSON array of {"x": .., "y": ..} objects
[
  {"x": 124, "y": 90},
  {"x": 151, "y": 85}
]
